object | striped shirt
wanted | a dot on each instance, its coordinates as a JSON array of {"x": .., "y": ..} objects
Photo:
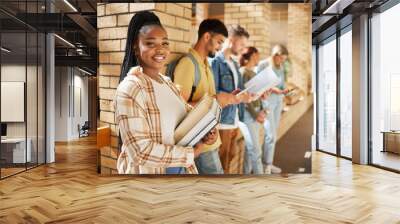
[{"x": 138, "y": 118}]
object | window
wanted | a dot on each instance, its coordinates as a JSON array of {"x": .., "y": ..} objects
[
  {"x": 327, "y": 96},
  {"x": 385, "y": 89},
  {"x": 22, "y": 75},
  {"x": 346, "y": 93}
]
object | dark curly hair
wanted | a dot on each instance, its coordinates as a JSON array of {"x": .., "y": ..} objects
[{"x": 245, "y": 57}]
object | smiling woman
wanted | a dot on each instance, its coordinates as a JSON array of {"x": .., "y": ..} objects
[
  {"x": 148, "y": 106},
  {"x": 154, "y": 49}
]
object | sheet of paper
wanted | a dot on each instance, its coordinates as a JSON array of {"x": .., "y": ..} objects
[
  {"x": 245, "y": 90},
  {"x": 263, "y": 81}
]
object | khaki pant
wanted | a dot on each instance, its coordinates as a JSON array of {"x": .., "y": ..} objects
[{"x": 231, "y": 151}]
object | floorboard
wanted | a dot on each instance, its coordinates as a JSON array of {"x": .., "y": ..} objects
[{"x": 70, "y": 191}]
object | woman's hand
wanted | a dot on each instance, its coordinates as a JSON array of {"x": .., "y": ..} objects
[
  {"x": 276, "y": 90},
  {"x": 279, "y": 91},
  {"x": 266, "y": 94},
  {"x": 211, "y": 137},
  {"x": 261, "y": 117},
  {"x": 247, "y": 97},
  {"x": 198, "y": 148},
  {"x": 285, "y": 91}
]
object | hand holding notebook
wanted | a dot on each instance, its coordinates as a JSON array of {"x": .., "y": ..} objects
[
  {"x": 263, "y": 81},
  {"x": 211, "y": 137}
]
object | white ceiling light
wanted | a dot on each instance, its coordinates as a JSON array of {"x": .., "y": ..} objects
[
  {"x": 65, "y": 41},
  {"x": 70, "y": 5},
  {"x": 5, "y": 50}
]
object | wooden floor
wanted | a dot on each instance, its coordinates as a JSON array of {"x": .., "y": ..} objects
[
  {"x": 10, "y": 171},
  {"x": 70, "y": 191},
  {"x": 387, "y": 159}
]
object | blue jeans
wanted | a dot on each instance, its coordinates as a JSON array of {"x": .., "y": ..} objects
[
  {"x": 209, "y": 163},
  {"x": 274, "y": 104},
  {"x": 175, "y": 170},
  {"x": 251, "y": 133}
]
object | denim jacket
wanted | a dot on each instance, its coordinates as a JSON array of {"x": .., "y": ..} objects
[{"x": 224, "y": 82}]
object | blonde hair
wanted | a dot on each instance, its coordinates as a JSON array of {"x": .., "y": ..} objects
[{"x": 277, "y": 50}]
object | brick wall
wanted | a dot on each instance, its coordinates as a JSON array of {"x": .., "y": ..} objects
[
  {"x": 255, "y": 18},
  {"x": 299, "y": 44},
  {"x": 279, "y": 24},
  {"x": 112, "y": 22},
  {"x": 201, "y": 12}
]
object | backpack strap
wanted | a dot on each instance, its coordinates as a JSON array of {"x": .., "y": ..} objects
[
  {"x": 171, "y": 67},
  {"x": 196, "y": 75}
]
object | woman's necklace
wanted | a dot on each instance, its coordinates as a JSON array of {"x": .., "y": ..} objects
[{"x": 157, "y": 78}]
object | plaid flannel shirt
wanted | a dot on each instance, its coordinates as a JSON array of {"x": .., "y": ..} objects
[{"x": 138, "y": 117}]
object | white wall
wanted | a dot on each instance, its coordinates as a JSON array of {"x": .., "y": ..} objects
[
  {"x": 69, "y": 81},
  {"x": 61, "y": 103},
  {"x": 33, "y": 127},
  {"x": 80, "y": 83},
  {"x": 12, "y": 73}
]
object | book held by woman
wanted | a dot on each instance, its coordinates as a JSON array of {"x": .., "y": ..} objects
[{"x": 198, "y": 122}]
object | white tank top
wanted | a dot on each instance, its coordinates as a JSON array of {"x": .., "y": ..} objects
[{"x": 172, "y": 110}]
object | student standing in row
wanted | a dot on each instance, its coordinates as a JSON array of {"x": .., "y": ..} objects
[
  {"x": 211, "y": 35},
  {"x": 254, "y": 115},
  {"x": 228, "y": 79},
  {"x": 274, "y": 104}
]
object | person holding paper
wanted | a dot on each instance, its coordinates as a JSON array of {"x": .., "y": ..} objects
[
  {"x": 211, "y": 35},
  {"x": 228, "y": 79},
  {"x": 254, "y": 115},
  {"x": 148, "y": 106},
  {"x": 274, "y": 104}
]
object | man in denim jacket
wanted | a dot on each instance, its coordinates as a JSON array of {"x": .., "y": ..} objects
[{"x": 228, "y": 79}]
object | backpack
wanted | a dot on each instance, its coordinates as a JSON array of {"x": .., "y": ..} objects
[{"x": 171, "y": 69}]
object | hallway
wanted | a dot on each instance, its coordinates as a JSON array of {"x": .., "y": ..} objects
[
  {"x": 71, "y": 191},
  {"x": 291, "y": 150}
]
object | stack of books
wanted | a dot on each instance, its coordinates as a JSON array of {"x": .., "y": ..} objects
[{"x": 198, "y": 122}]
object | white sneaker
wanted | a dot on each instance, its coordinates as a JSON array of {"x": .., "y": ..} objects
[
  {"x": 268, "y": 169},
  {"x": 275, "y": 169}
]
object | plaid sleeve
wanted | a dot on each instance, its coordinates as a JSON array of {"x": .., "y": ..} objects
[
  {"x": 136, "y": 134},
  {"x": 192, "y": 170}
]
